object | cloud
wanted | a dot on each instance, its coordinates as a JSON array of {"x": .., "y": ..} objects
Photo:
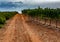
[
  {"x": 33, "y": 1},
  {"x": 17, "y": 6}
]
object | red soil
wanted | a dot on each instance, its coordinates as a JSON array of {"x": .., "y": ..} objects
[{"x": 18, "y": 29}]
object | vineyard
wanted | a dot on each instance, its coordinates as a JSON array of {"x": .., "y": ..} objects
[
  {"x": 29, "y": 27},
  {"x": 46, "y": 15},
  {"x": 5, "y": 16}
]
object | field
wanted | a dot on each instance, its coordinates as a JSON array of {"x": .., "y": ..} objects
[
  {"x": 33, "y": 25},
  {"x": 21, "y": 29}
]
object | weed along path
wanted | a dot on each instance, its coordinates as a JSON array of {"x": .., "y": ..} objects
[{"x": 18, "y": 29}]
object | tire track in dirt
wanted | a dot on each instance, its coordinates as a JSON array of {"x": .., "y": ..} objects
[
  {"x": 18, "y": 30},
  {"x": 33, "y": 36},
  {"x": 15, "y": 31}
]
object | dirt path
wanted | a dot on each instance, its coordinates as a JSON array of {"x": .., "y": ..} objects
[{"x": 18, "y": 30}]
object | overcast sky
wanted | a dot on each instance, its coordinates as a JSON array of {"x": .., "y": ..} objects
[{"x": 33, "y": 1}]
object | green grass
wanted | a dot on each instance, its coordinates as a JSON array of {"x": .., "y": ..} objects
[
  {"x": 4, "y": 16},
  {"x": 1, "y": 25}
]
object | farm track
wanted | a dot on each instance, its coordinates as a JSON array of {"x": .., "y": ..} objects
[{"x": 18, "y": 29}]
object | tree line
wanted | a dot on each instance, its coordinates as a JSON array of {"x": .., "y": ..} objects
[
  {"x": 43, "y": 13},
  {"x": 5, "y": 16}
]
